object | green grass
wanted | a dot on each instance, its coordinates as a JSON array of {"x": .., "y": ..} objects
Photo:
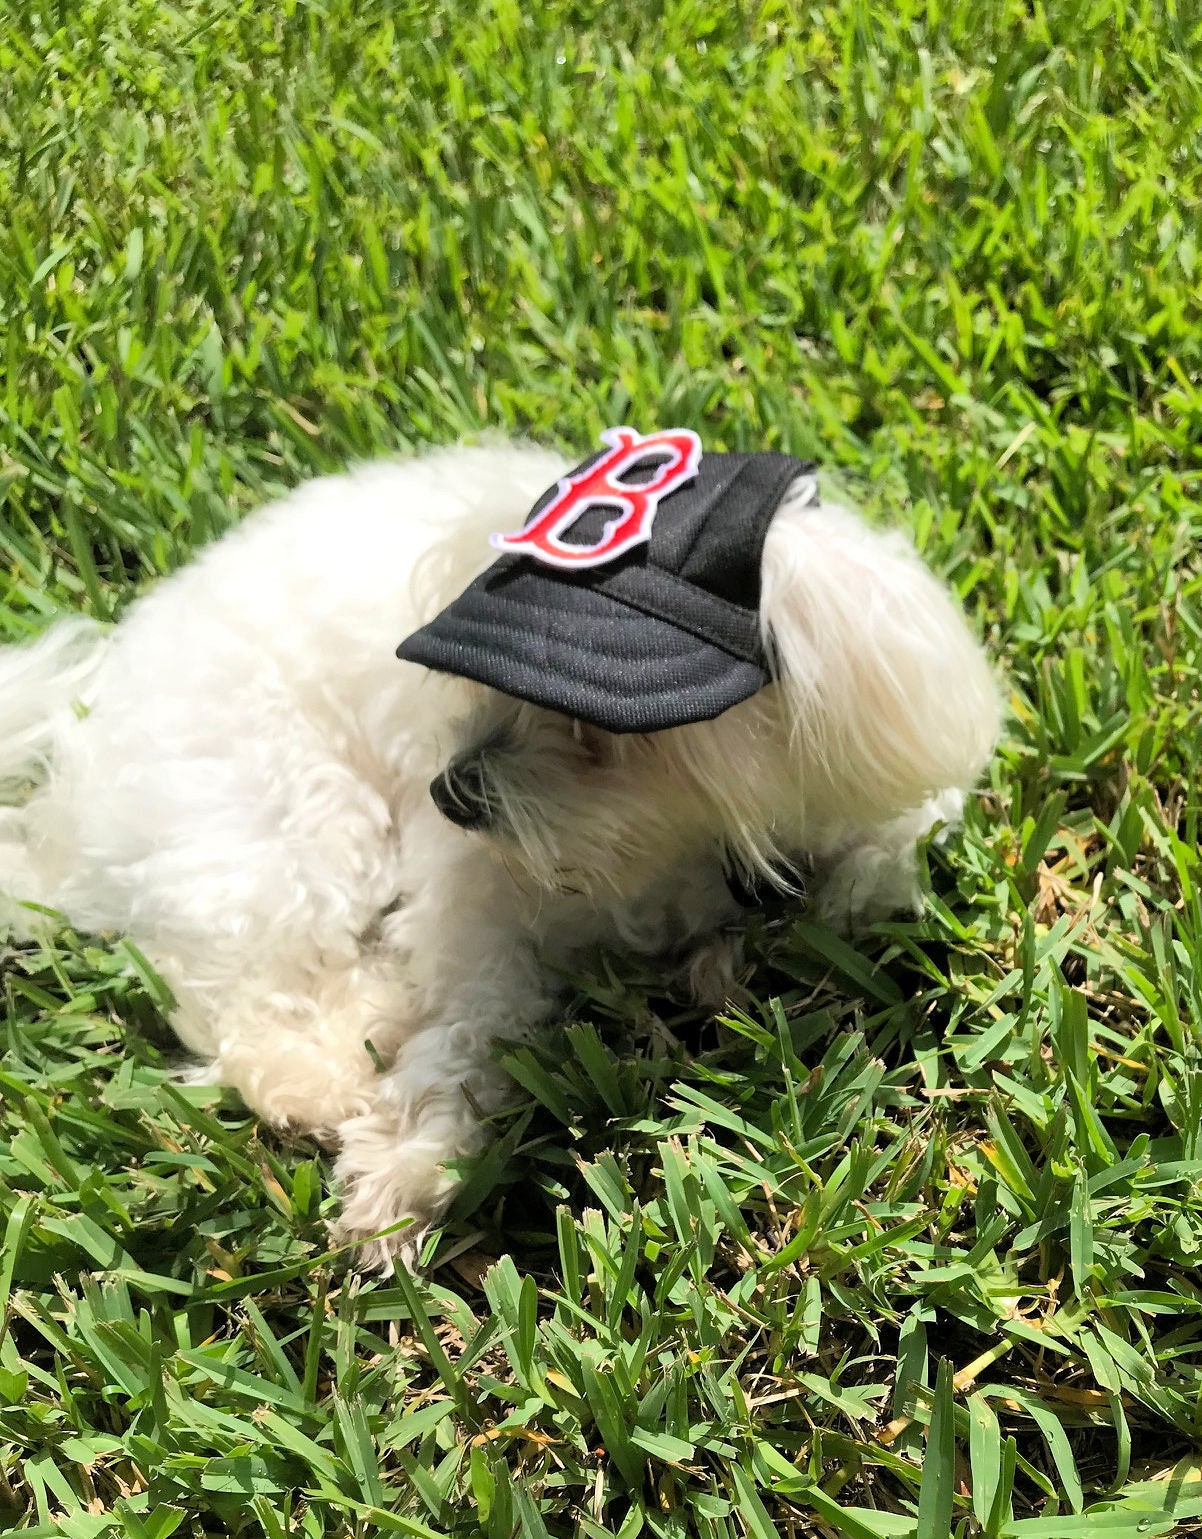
[{"x": 908, "y": 1245}]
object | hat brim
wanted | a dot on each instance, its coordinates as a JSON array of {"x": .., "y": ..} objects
[{"x": 579, "y": 651}]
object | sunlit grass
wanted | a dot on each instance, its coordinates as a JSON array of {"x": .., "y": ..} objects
[{"x": 908, "y": 1244}]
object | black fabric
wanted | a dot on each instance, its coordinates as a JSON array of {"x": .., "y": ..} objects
[{"x": 667, "y": 634}]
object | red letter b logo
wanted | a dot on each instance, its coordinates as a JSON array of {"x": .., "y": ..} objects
[{"x": 601, "y": 486}]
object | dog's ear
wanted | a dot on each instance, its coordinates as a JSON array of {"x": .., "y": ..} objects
[{"x": 887, "y": 690}]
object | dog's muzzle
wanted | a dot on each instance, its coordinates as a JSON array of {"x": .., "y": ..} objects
[{"x": 461, "y": 794}]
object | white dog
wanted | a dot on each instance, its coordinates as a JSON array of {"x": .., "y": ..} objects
[{"x": 238, "y": 778}]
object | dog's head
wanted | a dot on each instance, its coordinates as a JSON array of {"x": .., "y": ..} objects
[
  {"x": 880, "y": 698},
  {"x": 597, "y": 812}
]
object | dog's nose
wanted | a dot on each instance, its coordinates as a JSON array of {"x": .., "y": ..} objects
[{"x": 461, "y": 796}]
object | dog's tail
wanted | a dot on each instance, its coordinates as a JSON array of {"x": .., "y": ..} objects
[{"x": 43, "y": 685}]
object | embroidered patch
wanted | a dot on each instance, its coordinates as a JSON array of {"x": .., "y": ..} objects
[{"x": 677, "y": 452}]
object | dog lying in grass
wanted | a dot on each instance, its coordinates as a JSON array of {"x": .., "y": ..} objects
[{"x": 339, "y": 860}]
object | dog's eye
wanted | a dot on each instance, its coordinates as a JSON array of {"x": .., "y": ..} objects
[{"x": 593, "y": 743}]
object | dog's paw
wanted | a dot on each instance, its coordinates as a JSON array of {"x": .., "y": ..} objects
[
  {"x": 391, "y": 1176},
  {"x": 879, "y": 878},
  {"x": 870, "y": 884}
]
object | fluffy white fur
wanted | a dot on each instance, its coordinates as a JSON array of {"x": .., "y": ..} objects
[{"x": 237, "y": 778}]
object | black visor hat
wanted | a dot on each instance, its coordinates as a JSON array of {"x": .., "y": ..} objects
[{"x": 630, "y": 599}]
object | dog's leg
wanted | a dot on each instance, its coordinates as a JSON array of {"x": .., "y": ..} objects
[
  {"x": 877, "y": 875},
  {"x": 310, "y": 1058},
  {"x": 393, "y": 1161},
  {"x": 472, "y": 965}
]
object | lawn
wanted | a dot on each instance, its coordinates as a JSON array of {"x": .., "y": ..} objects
[{"x": 907, "y": 1244}]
